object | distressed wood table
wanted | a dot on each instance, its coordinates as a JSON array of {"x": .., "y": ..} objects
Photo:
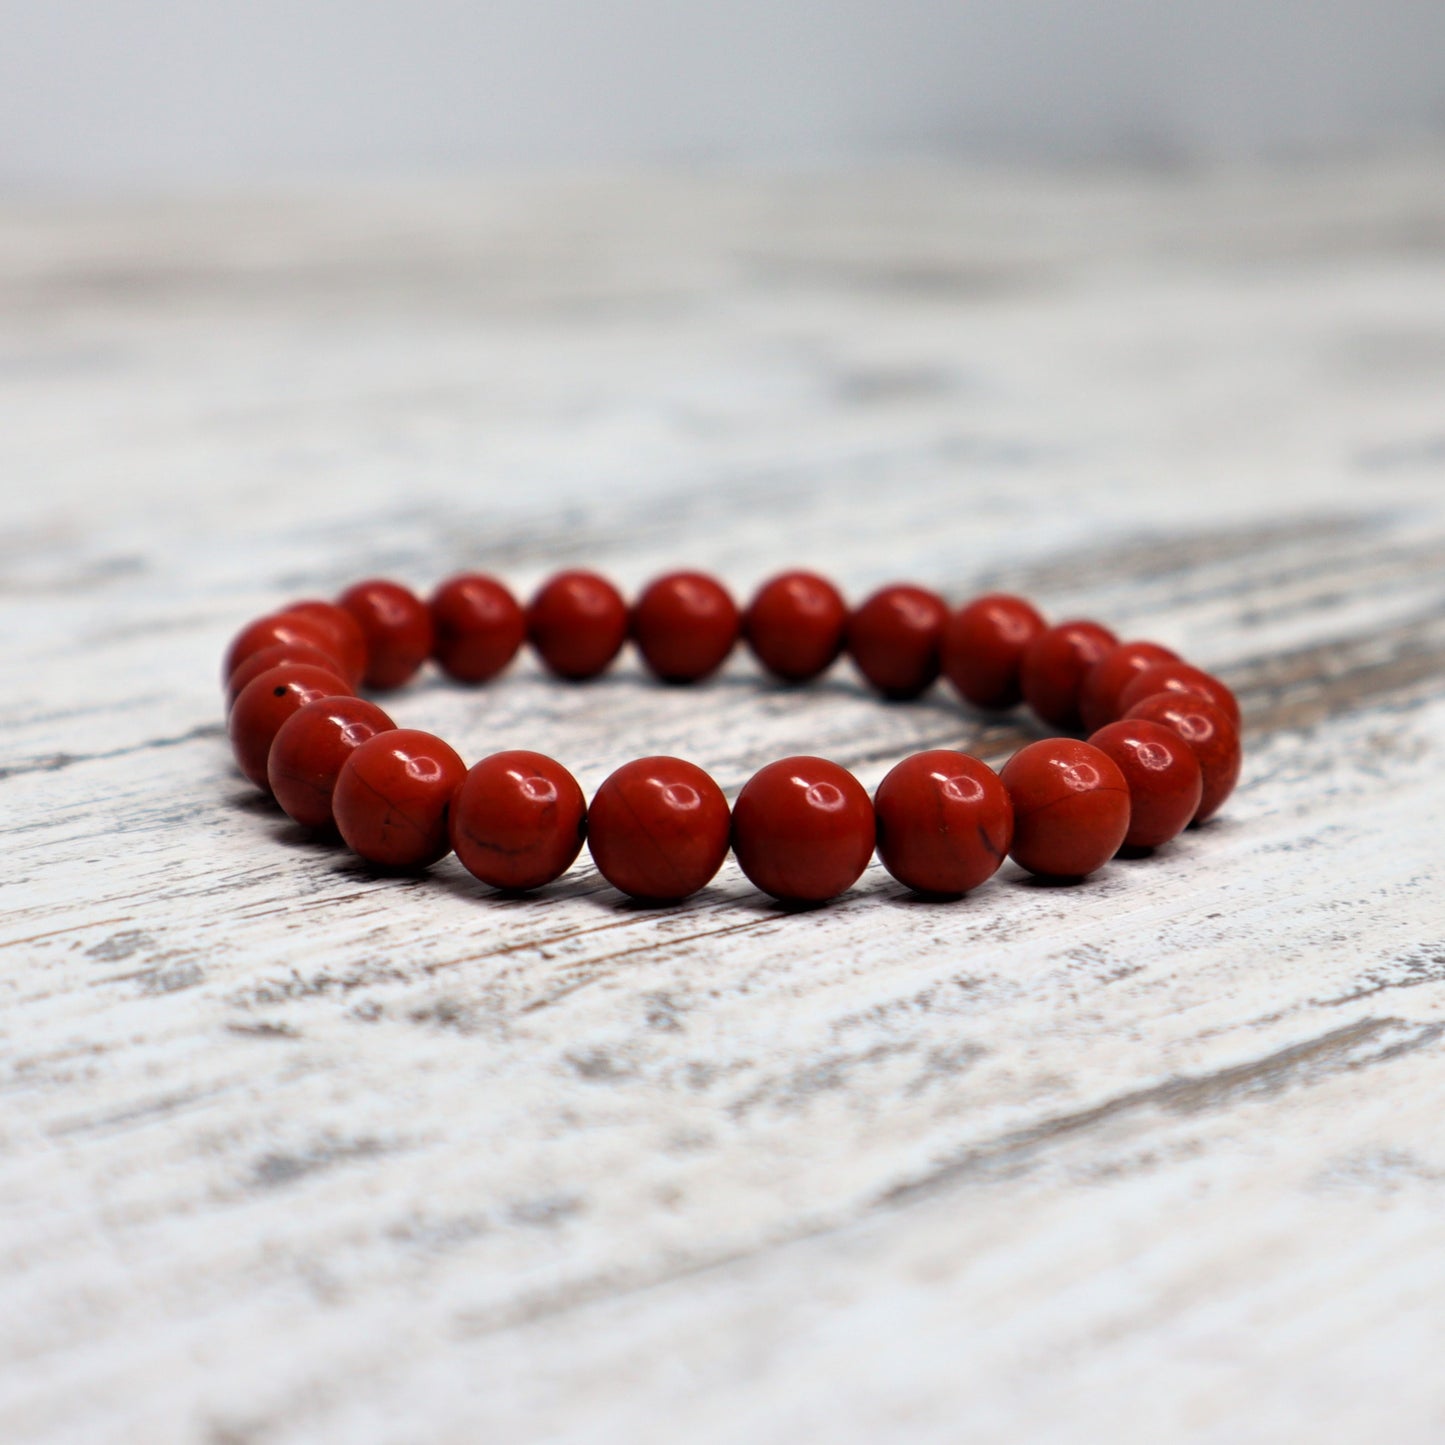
[{"x": 292, "y": 1153}]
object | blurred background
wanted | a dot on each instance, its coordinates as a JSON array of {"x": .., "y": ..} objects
[
  {"x": 413, "y": 260},
  {"x": 174, "y": 93}
]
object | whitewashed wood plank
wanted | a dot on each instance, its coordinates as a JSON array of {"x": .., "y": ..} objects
[{"x": 294, "y": 1153}]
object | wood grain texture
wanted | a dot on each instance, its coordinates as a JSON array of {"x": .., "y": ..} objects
[{"x": 293, "y": 1153}]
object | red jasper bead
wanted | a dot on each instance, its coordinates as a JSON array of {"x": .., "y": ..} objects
[
  {"x": 348, "y": 640},
  {"x": 274, "y": 656},
  {"x": 291, "y": 628},
  {"x": 1106, "y": 680},
  {"x": 795, "y": 625},
  {"x": 894, "y": 639},
  {"x": 397, "y": 627},
  {"x": 477, "y": 627},
  {"x": 803, "y": 829},
  {"x": 658, "y": 829},
  {"x": 685, "y": 624},
  {"x": 1054, "y": 665},
  {"x": 577, "y": 623},
  {"x": 518, "y": 820},
  {"x": 265, "y": 703},
  {"x": 1210, "y": 733},
  {"x": 1179, "y": 677},
  {"x": 945, "y": 822},
  {"x": 393, "y": 795},
  {"x": 983, "y": 647},
  {"x": 309, "y": 749},
  {"x": 1071, "y": 807},
  {"x": 1164, "y": 778}
]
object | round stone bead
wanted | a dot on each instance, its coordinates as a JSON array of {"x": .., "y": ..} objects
[
  {"x": 983, "y": 647},
  {"x": 795, "y": 625},
  {"x": 1179, "y": 677},
  {"x": 309, "y": 749},
  {"x": 393, "y": 796},
  {"x": 1054, "y": 666},
  {"x": 1071, "y": 807},
  {"x": 894, "y": 639},
  {"x": 803, "y": 829},
  {"x": 349, "y": 641},
  {"x": 397, "y": 627},
  {"x": 477, "y": 627},
  {"x": 945, "y": 822},
  {"x": 291, "y": 628},
  {"x": 265, "y": 703},
  {"x": 1210, "y": 733},
  {"x": 685, "y": 624},
  {"x": 1106, "y": 680},
  {"x": 518, "y": 820},
  {"x": 1164, "y": 778},
  {"x": 658, "y": 829},
  {"x": 274, "y": 656},
  {"x": 577, "y": 622}
]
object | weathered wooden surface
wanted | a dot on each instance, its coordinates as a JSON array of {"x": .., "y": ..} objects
[{"x": 291, "y": 1153}]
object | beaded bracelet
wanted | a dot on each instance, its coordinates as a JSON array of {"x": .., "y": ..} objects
[{"x": 1163, "y": 746}]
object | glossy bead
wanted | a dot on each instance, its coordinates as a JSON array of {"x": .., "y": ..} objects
[
  {"x": 803, "y": 829},
  {"x": 393, "y": 796},
  {"x": 1180, "y": 677},
  {"x": 1054, "y": 666},
  {"x": 274, "y": 656},
  {"x": 265, "y": 703},
  {"x": 1164, "y": 778},
  {"x": 397, "y": 627},
  {"x": 292, "y": 629},
  {"x": 577, "y": 622},
  {"x": 518, "y": 820},
  {"x": 945, "y": 822},
  {"x": 983, "y": 647},
  {"x": 1208, "y": 730},
  {"x": 1106, "y": 680},
  {"x": 309, "y": 749},
  {"x": 477, "y": 627},
  {"x": 894, "y": 639},
  {"x": 684, "y": 625},
  {"x": 658, "y": 829},
  {"x": 348, "y": 640},
  {"x": 795, "y": 625},
  {"x": 1071, "y": 807}
]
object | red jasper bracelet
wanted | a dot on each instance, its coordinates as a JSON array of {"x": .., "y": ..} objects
[{"x": 1163, "y": 748}]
